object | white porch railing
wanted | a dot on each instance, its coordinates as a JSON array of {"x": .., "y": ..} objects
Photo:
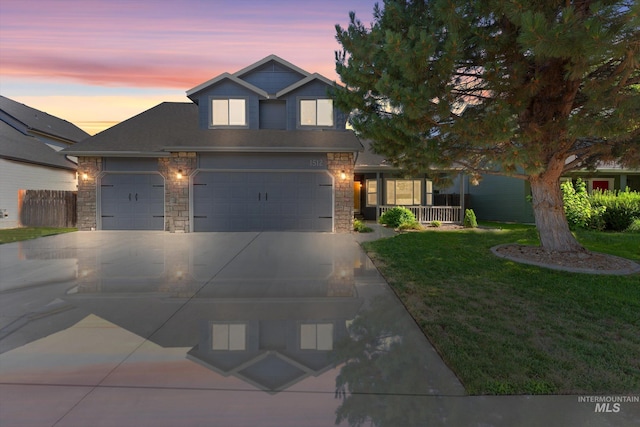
[{"x": 426, "y": 214}]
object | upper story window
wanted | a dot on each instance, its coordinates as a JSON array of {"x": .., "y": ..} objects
[
  {"x": 228, "y": 112},
  {"x": 316, "y": 112},
  {"x": 229, "y": 336},
  {"x": 316, "y": 336}
]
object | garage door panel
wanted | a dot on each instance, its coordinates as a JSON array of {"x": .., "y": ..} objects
[
  {"x": 256, "y": 201},
  {"x": 132, "y": 202}
]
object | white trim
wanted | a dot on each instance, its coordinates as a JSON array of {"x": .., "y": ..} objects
[
  {"x": 300, "y": 83},
  {"x": 235, "y": 77},
  {"x": 263, "y": 61},
  {"x": 227, "y": 76}
]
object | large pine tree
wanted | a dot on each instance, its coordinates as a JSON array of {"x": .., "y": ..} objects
[{"x": 527, "y": 88}]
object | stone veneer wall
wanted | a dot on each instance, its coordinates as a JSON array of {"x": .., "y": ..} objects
[
  {"x": 88, "y": 192},
  {"x": 337, "y": 163},
  {"x": 176, "y": 190}
]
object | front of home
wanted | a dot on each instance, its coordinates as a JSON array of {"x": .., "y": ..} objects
[
  {"x": 380, "y": 186},
  {"x": 260, "y": 149}
]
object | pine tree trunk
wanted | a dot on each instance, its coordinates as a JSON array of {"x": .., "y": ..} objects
[{"x": 551, "y": 221}]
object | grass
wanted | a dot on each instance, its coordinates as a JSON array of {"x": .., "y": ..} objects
[
  {"x": 25, "y": 233},
  {"x": 509, "y": 328}
]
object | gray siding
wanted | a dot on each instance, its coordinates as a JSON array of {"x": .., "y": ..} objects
[
  {"x": 232, "y": 90},
  {"x": 15, "y": 176},
  {"x": 501, "y": 198},
  {"x": 272, "y": 77},
  {"x": 315, "y": 89},
  {"x": 122, "y": 164},
  {"x": 273, "y": 114},
  {"x": 263, "y": 161}
]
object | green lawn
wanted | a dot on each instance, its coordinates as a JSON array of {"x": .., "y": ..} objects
[
  {"x": 26, "y": 233},
  {"x": 509, "y": 328}
]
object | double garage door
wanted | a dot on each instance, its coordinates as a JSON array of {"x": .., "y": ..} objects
[{"x": 262, "y": 201}]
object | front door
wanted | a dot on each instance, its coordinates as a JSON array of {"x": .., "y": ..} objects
[
  {"x": 602, "y": 185},
  {"x": 357, "y": 188}
]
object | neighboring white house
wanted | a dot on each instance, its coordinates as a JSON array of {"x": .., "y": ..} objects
[{"x": 29, "y": 160}]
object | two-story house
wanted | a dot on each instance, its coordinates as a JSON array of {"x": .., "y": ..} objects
[{"x": 260, "y": 149}]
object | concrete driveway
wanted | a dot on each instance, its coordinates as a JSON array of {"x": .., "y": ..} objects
[{"x": 225, "y": 329}]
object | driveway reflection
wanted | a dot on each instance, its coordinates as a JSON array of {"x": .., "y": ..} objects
[{"x": 261, "y": 312}]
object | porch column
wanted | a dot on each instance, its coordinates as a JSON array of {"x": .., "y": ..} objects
[
  {"x": 378, "y": 196},
  {"x": 462, "y": 206},
  {"x": 623, "y": 182}
]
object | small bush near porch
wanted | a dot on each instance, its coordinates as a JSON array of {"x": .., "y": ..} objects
[{"x": 509, "y": 328}]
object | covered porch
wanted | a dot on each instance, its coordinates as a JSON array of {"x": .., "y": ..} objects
[
  {"x": 379, "y": 186},
  {"x": 427, "y": 214}
]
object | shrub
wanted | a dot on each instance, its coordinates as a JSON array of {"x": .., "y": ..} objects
[
  {"x": 413, "y": 225},
  {"x": 436, "y": 223},
  {"x": 619, "y": 208},
  {"x": 397, "y": 216},
  {"x": 470, "y": 219},
  {"x": 634, "y": 227},
  {"x": 579, "y": 208},
  {"x": 360, "y": 227}
]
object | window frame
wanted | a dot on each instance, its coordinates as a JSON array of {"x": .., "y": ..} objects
[
  {"x": 394, "y": 181},
  {"x": 322, "y": 339},
  {"x": 232, "y": 344},
  {"x": 212, "y": 112},
  {"x": 316, "y": 113},
  {"x": 369, "y": 192}
]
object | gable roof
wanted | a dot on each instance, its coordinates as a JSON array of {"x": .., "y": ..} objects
[
  {"x": 237, "y": 78},
  {"x": 15, "y": 145},
  {"x": 300, "y": 83},
  {"x": 41, "y": 122},
  {"x": 173, "y": 126},
  {"x": 267, "y": 59},
  {"x": 227, "y": 76}
]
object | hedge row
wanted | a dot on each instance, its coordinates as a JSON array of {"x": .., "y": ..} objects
[{"x": 601, "y": 210}]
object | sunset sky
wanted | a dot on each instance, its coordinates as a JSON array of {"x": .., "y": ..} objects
[{"x": 98, "y": 62}]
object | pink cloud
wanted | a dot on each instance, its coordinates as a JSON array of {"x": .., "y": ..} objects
[{"x": 164, "y": 44}]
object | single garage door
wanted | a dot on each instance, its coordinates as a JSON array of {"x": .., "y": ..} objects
[
  {"x": 132, "y": 202},
  {"x": 262, "y": 201}
]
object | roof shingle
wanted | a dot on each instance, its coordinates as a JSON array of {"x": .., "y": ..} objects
[
  {"x": 42, "y": 122},
  {"x": 173, "y": 126},
  {"x": 15, "y": 145}
]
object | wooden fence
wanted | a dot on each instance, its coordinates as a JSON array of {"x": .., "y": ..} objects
[{"x": 48, "y": 208}]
